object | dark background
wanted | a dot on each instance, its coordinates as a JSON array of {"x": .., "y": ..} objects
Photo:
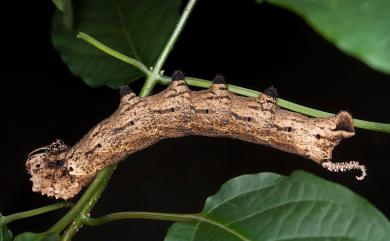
[{"x": 253, "y": 46}]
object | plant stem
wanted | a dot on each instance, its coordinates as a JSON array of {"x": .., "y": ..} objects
[
  {"x": 84, "y": 205},
  {"x": 192, "y": 81},
  {"x": 174, "y": 217},
  {"x": 174, "y": 36},
  {"x": 135, "y": 63},
  {"x": 16, "y": 216},
  {"x": 368, "y": 125},
  {"x": 148, "y": 86},
  {"x": 91, "y": 196}
]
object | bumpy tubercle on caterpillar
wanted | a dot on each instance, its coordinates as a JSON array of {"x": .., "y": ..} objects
[{"x": 61, "y": 171}]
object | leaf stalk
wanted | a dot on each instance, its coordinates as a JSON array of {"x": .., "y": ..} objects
[
  {"x": 34, "y": 212},
  {"x": 84, "y": 205},
  {"x": 92, "y": 194},
  {"x": 173, "y": 217},
  {"x": 174, "y": 36},
  {"x": 197, "y": 82},
  {"x": 99, "y": 45}
]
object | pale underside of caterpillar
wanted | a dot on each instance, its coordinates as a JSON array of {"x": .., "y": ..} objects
[{"x": 60, "y": 171}]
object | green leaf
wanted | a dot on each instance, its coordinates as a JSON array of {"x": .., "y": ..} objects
[
  {"x": 60, "y": 4},
  {"x": 271, "y": 207},
  {"x": 5, "y": 233},
  {"x": 137, "y": 28},
  {"x": 357, "y": 27},
  {"x": 65, "y": 6},
  {"x": 29, "y": 236}
]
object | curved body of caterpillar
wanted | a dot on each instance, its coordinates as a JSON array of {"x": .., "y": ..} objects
[{"x": 62, "y": 172}]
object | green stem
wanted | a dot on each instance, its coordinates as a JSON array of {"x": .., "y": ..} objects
[
  {"x": 174, "y": 36},
  {"x": 148, "y": 86},
  {"x": 86, "y": 202},
  {"x": 174, "y": 217},
  {"x": 91, "y": 196},
  {"x": 363, "y": 124},
  {"x": 16, "y": 216},
  {"x": 140, "y": 66}
]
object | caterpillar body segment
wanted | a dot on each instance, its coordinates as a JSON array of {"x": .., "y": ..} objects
[{"x": 61, "y": 171}]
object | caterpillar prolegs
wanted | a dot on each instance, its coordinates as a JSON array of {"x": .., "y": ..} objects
[{"x": 61, "y": 171}]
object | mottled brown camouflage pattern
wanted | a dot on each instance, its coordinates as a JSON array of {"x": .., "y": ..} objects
[{"x": 140, "y": 122}]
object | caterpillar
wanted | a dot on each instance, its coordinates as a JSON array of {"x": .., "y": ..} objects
[{"x": 60, "y": 171}]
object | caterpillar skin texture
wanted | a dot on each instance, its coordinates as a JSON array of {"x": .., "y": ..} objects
[{"x": 60, "y": 171}]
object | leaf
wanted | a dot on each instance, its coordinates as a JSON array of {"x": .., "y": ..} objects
[
  {"x": 137, "y": 28},
  {"x": 357, "y": 27},
  {"x": 29, "y": 236},
  {"x": 271, "y": 207},
  {"x": 5, "y": 233},
  {"x": 65, "y": 6}
]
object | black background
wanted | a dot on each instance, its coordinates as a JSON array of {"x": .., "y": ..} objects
[{"x": 253, "y": 46}]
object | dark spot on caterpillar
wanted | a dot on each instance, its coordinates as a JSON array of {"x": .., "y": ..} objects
[
  {"x": 205, "y": 111},
  {"x": 119, "y": 129},
  {"x": 59, "y": 163},
  {"x": 253, "y": 107},
  {"x": 177, "y": 94},
  {"x": 181, "y": 84},
  {"x": 285, "y": 129},
  {"x": 271, "y": 91},
  {"x": 177, "y": 75},
  {"x": 219, "y": 79},
  {"x": 218, "y": 97},
  {"x": 165, "y": 115},
  {"x": 164, "y": 111},
  {"x": 238, "y": 117},
  {"x": 125, "y": 90},
  {"x": 318, "y": 136}
]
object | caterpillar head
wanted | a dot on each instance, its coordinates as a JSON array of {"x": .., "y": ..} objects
[{"x": 49, "y": 174}]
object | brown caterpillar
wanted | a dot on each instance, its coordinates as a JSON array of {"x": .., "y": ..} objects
[{"x": 62, "y": 172}]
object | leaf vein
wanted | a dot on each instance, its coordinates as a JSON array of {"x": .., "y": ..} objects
[{"x": 124, "y": 28}]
